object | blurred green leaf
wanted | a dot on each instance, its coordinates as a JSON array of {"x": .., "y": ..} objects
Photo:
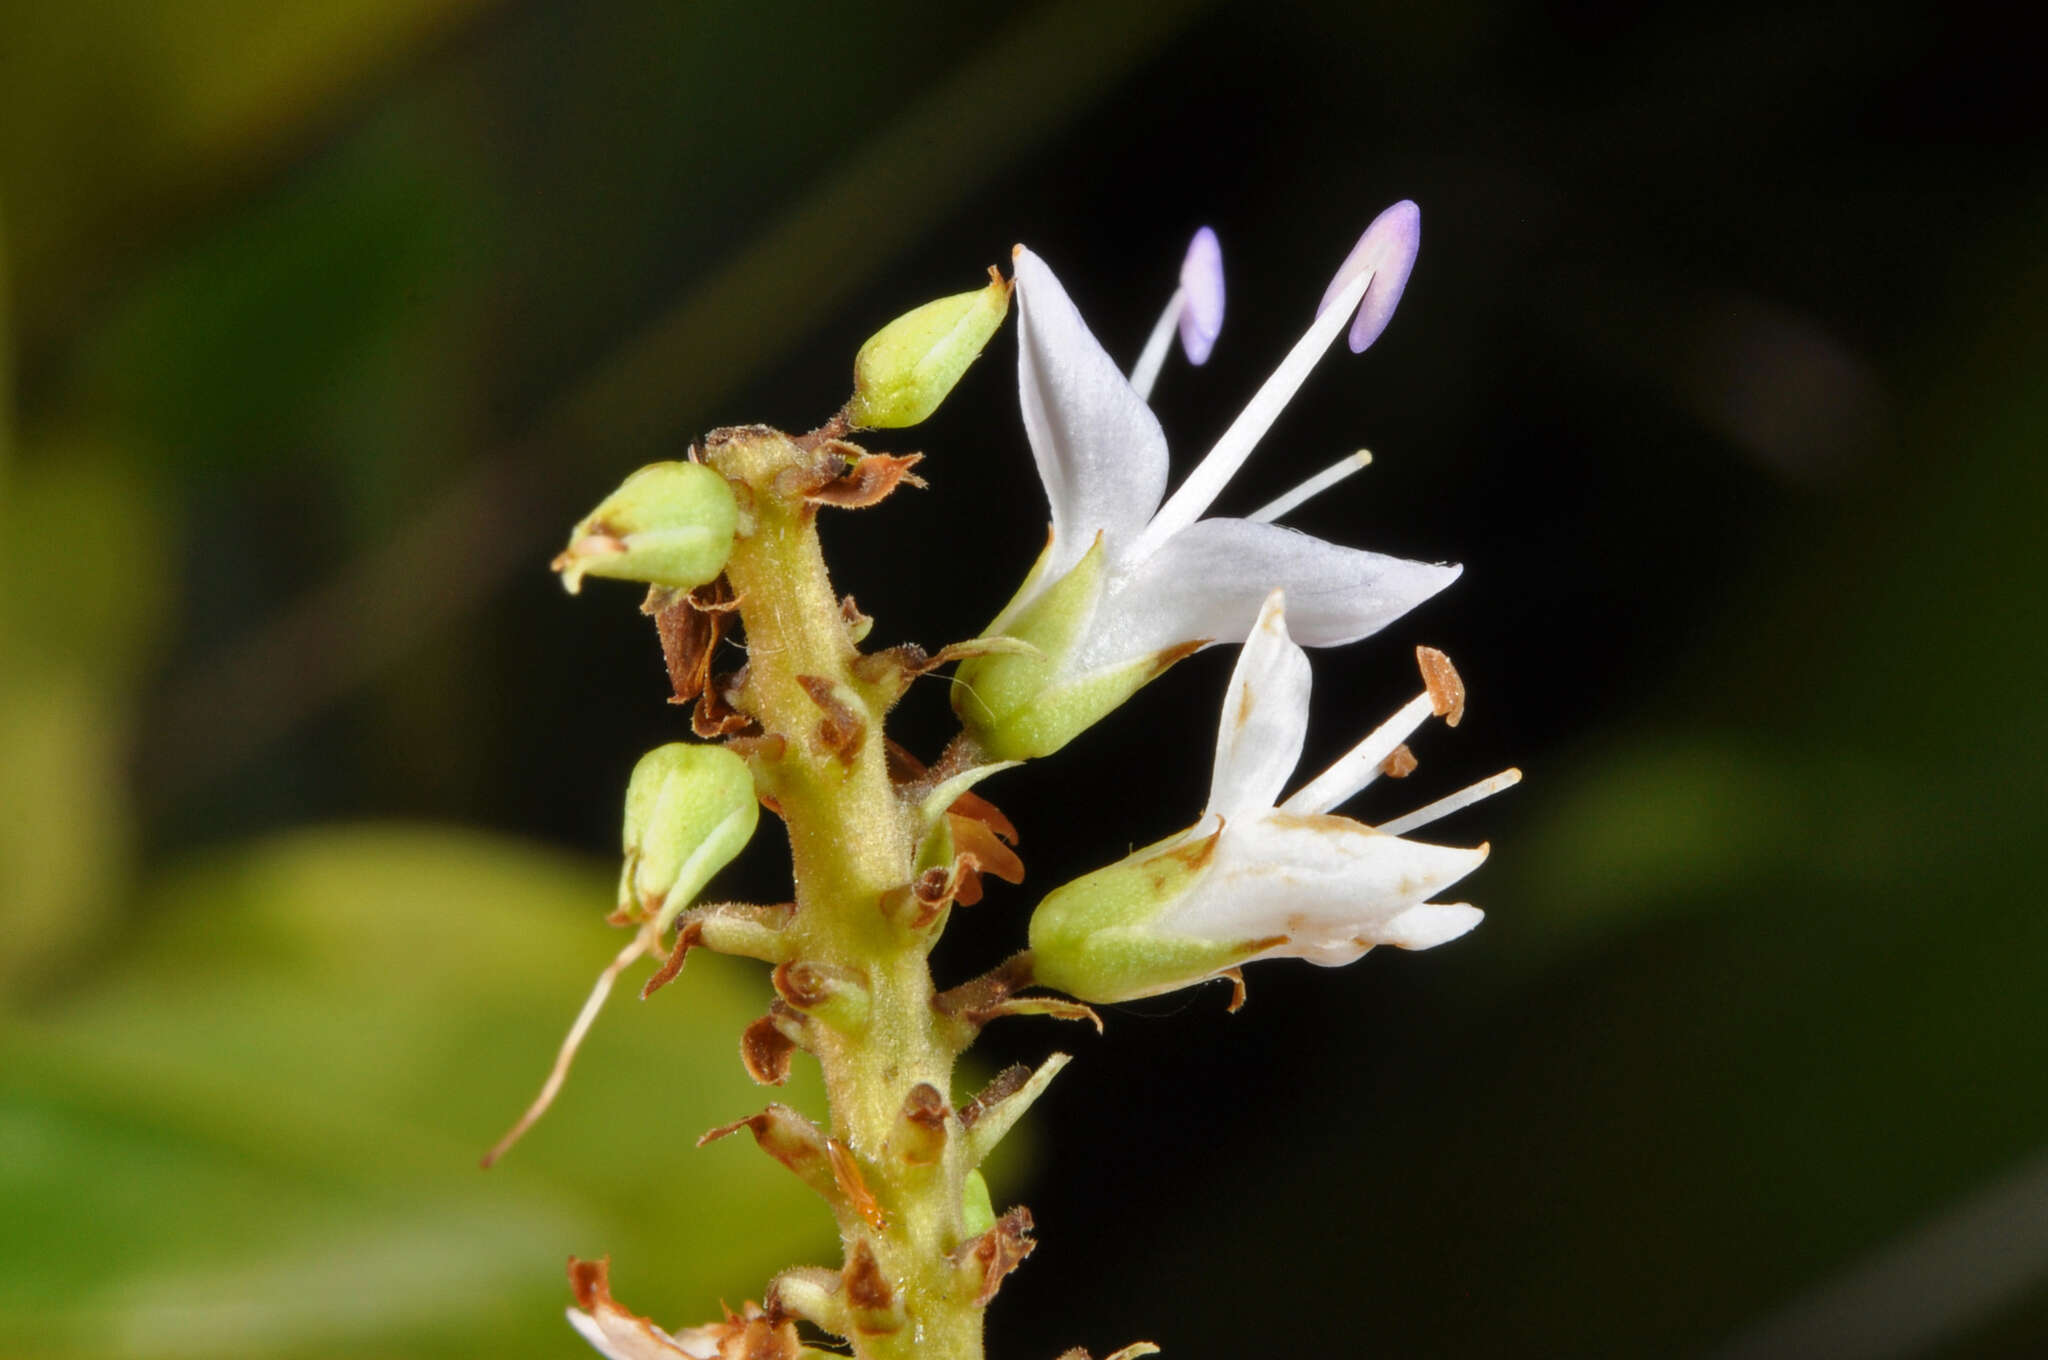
[{"x": 257, "y": 1128}]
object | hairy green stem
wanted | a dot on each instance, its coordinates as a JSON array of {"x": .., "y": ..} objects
[{"x": 853, "y": 842}]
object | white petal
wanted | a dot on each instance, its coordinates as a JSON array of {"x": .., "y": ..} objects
[
  {"x": 1207, "y": 582},
  {"x": 1265, "y": 719},
  {"x": 1099, "y": 448},
  {"x": 1431, "y": 924},
  {"x": 619, "y": 1335},
  {"x": 1325, "y": 883}
]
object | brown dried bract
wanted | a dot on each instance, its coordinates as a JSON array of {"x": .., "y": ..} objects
[
  {"x": 1400, "y": 762},
  {"x": 866, "y": 1290},
  {"x": 765, "y": 1050},
  {"x": 921, "y": 1138},
  {"x": 870, "y": 478},
  {"x": 978, "y": 850},
  {"x": 687, "y": 937},
  {"x": 994, "y": 994},
  {"x": 1006, "y": 1083},
  {"x": 853, "y": 1185},
  {"x": 715, "y": 716},
  {"x": 1446, "y": 690},
  {"x": 998, "y": 1251},
  {"x": 914, "y": 781},
  {"x": 857, "y": 623},
  {"x": 691, "y": 624},
  {"x": 791, "y": 1139},
  {"x": 842, "y": 732},
  {"x": 925, "y": 1107}
]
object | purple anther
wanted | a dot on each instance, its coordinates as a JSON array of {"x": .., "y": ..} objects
[
  {"x": 1201, "y": 282},
  {"x": 1388, "y": 250}
]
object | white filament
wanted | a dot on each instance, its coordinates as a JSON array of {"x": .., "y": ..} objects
[
  {"x": 1146, "y": 371},
  {"x": 1444, "y": 807},
  {"x": 1313, "y": 487},
  {"x": 1221, "y": 463},
  {"x": 1361, "y": 764}
]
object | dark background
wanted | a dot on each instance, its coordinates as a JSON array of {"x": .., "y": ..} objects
[{"x": 1721, "y": 372}]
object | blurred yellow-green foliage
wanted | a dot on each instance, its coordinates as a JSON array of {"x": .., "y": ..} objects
[{"x": 1723, "y": 373}]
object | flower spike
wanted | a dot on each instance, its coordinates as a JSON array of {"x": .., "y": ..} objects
[{"x": 1383, "y": 257}]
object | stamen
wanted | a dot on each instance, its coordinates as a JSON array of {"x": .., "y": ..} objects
[
  {"x": 1444, "y": 807},
  {"x": 585, "y": 1018},
  {"x": 1387, "y": 250},
  {"x": 1196, "y": 309},
  {"x": 1446, "y": 687},
  {"x": 1314, "y": 486},
  {"x": 1221, "y": 463},
  {"x": 1146, "y": 371},
  {"x": 1362, "y": 764},
  {"x": 1201, "y": 279}
]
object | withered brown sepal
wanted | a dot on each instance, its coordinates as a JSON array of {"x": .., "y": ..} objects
[
  {"x": 691, "y": 624},
  {"x": 997, "y": 1252}
]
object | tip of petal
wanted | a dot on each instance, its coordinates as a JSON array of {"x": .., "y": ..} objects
[
  {"x": 1387, "y": 251},
  {"x": 1431, "y": 924},
  {"x": 1201, "y": 281}
]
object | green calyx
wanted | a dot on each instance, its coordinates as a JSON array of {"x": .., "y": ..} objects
[
  {"x": 669, "y": 524},
  {"x": 689, "y": 810},
  {"x": 906, "y": 369},
  {"x": 1020, "y": 705},
  {"x": 1093, "y": 938}
]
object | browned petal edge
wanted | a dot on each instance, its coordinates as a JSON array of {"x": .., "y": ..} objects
[
  {"x": 1446, "y": 690},
  {"x": 1166, "y": 658},
  {"x": 766, "y": 1051},
  {"x": 841, "y": 732},
  {"x": 1237, "y": 992},
  {"x": 1400, "y": 762},
  {"x": 590, "y": 1282},
  {"x": 998, "y": 1251}
]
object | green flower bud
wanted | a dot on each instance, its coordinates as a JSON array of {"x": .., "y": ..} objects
[
  {"x": 669, "y": 524},
  {"x": 1023, "y": 705},
  {"x": 1096, "y": 938},
  {"x": 906, "y": 368},
  {"x": 689, "y": 810}
]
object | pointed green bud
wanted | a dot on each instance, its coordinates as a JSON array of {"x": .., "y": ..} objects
[
  {"x": 669, "y": 524},
  {"x": 906, "y": 368},
  {"x": 1096, "y": 938},
  {"x": 689, "y": 810}
]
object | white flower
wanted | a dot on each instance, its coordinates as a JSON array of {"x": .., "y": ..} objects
[
  {"x": 1130, "y": 580},
  {"x": 1258, "y": 876}
]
